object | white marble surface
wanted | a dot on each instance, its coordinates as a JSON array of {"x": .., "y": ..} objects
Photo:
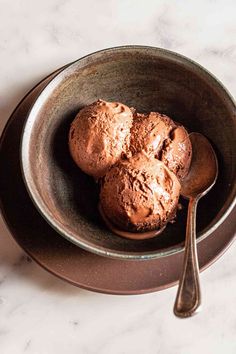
[{"x": 40, "y": 314}]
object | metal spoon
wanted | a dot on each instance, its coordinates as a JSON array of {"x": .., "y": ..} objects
[{"x": 200, "y": 179}]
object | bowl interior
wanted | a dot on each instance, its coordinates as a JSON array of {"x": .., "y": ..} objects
[{"x": 149, "y": 80}]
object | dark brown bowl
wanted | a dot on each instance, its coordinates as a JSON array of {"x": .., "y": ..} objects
[{"x": 149, "y": 79}]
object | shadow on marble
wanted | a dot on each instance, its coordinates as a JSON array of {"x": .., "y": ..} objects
[
  {"x": 16, "y": 265},
  {"x": 15, "y": 96},
  {"x": 29, "y": 272},
  {"x": 13, "y": 262}
]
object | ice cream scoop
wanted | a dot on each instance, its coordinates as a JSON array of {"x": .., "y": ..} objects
[
  {"x": 176, "y": 152},
  {"x": 168, "y": 141},
  {"x": 139, "y": 194},
  {"x": 149, "y": 132},
  {"x": 99, "y": 136}
]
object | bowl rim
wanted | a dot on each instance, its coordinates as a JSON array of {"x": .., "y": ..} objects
[{"x": 25, "y": 143}]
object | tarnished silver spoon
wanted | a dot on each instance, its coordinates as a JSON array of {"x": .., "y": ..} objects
[{"x": 200, "y": 179}]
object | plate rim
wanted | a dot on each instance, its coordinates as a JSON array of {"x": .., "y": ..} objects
[{"x": 64, "y": 278}]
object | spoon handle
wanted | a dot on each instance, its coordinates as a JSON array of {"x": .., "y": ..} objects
[{"x": 188, "y": 297}]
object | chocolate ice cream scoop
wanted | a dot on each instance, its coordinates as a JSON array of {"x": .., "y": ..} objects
[
  {"x": 149, "y": 131},
  {"x": 168, "y": 141},
  {"x": 177, "y": 152},
  {"x": 139, "y": 194},
  {"x": 99, "y": 136}
]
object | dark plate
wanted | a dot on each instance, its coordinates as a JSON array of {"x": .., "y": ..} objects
[{"x": 68, "y": 261}]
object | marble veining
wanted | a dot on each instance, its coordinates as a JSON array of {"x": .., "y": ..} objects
[{"x": 38, "y": 312}]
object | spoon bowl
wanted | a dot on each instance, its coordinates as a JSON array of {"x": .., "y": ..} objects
[{"x": 204, "y": 168}]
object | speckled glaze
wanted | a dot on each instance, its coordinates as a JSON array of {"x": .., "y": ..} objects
[{"x": 149, "y": 79}]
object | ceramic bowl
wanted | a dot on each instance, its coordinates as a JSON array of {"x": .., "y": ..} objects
[{"x": 149, "y": 79}]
